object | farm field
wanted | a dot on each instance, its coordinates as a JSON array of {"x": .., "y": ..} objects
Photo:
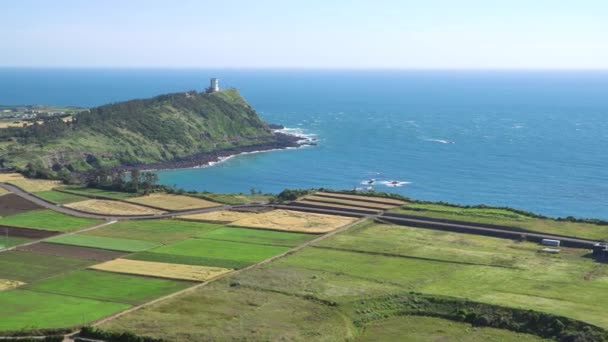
[
  {"x": 60, "y": 197},
  {"x": 161, "y": 270},
  {"x": 257, "y": 236},
  {"x": 211, "y": 253},
  {"x": 233, "y": 199},
  {"x": 172, "y": 202},
  {"x": 30, "y": 185},
  {"x": 97, "y": 193},
  {"x": 294, "y": 221},
  {"x": 334, "y": 205},
  {"x": 22, "y": 309},
  {"x": 107, "y": 286},
  {"x": 219, "y": 216},
  {"x": 46, "y": 219},
  {"x": 11, "y": 204},
  {"x": 78, "y": 252},
  {"x": 349, "y": 202},
  {"x": 362, "y": 198},
  {"x": 29, "y": 267},
  {"x": 11, "y": 241},
  {"x": 114, "y": 244},
  {"x": 373, "y": 260},
  {"x": 417, "y": 328},
  {"x": 110, "y": 207},
  {"x": 160, "y": 231},
  {"x": 506, "y": 218}
]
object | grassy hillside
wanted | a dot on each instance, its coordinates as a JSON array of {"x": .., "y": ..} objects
[{"x": 151, "y": 130}]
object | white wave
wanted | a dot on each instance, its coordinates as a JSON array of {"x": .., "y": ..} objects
[
  {"x": 394, "y": 184},
  {"x": 300, "y": 133},
  {"x": 441, "y": 141},
  {"x": 368, "y": 182}
]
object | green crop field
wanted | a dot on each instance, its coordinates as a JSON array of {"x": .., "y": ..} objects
[
  {"x": 341, "y": 276},
  {"x": 415, "y": 329},
  {"x": 506, "y": 218},
  {"x": 106, "y": 286},
  {"x": 29, "y": 267},
  {"x": 188, "y": 260},
  {"x": 47, "y": 220},
  {"x": 258, "y": 236},
  {"x": 59, "y": 197},
  {"x": 115, "y": 244},
  {"x": 97, "y": 193},
  {"x": 160, "y": 231},
  {"x": 11, "y": 241},
  {"x": 22, "y": 309},
  {"x": 221, "y": 252}
]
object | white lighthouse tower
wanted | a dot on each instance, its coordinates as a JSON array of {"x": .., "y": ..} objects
[{"x": 214, "y": 85}]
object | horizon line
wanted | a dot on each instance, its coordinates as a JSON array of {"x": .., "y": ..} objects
[{"x": 448, "y": 69}]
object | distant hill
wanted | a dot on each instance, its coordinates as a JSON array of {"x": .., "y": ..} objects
[{"x": 162, "y": 129}]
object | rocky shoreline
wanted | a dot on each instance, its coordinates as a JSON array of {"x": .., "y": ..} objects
[{"x": 282, "y": 141}]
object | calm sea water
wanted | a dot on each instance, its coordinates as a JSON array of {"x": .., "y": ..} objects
[{"x": 531, "y": 140}]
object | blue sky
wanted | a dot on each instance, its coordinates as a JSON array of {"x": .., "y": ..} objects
[{"x": 453, "y": 34}]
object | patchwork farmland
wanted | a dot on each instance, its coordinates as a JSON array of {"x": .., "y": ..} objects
[
  {"x": 87, "y": 269},
  {"x": 336, "y": 278}
]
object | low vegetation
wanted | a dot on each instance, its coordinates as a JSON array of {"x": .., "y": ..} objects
[{"x": 257, "y": 236}]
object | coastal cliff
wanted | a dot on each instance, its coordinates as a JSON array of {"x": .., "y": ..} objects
[{"x": 173, "y": 130}]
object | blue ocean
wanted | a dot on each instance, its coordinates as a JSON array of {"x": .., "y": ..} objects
[{"x": 535, "y": 140}]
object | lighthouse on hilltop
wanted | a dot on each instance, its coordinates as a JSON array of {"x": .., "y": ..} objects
[{"x": 214, "y": 86}]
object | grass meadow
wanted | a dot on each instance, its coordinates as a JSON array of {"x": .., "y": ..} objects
[{"x": 60, "y": 197}]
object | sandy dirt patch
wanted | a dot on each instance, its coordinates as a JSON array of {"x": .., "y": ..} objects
[
  {"x": 162, "y": 270},
  {"x": 6, "y": 284},
  {"x": 108, "y": 207},
  {"x": 334, "y": 205},
  {"x": 365, "y": 198},
  {"x": 294, "y": 221},
  {"x": 173, "y": 202}
]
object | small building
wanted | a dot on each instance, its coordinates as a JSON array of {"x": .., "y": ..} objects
[
  {"x": 550, "y": 242},
  {"x": 214, "y": 86}
]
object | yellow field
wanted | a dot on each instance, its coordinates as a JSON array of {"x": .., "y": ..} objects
[
  {"x": 109, "y": 207},
  {"x": 350, "y": 202},
  {"x": 294, "y": 221},
  {"x": 332, "y": 205},
  {"x": 6, "y": 284},
  {"x": 366, "y": 198},
  {"x": 161, "y": 269},
  {"x": 173, "y": 202},
  {"x": 30, "y": 185},
  {"x": 3, "y": 192},
  {"x": 221, "y": 216},
  {"x": 8, "y": 177}
]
